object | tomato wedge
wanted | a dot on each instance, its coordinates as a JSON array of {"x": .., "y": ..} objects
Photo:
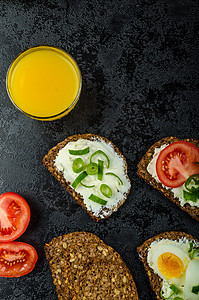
[
  {"x": 176, "y": 163},
  {"x": 16, "y": 259},
  {"x": 14, "y": 216}
]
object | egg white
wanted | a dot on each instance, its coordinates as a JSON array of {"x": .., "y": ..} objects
[
  {"x": 172, "y": 247},
  {"x": 191, "y": 279}
]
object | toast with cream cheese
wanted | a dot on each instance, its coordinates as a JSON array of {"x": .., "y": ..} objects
[
  {"x": 146, "y": 170},
  {"x": 59, "y": 161}
]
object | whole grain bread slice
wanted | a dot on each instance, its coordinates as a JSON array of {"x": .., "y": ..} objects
[
  {"x": 71, "y": 256},
  {"x": 155, "y": 280},
  {"x": 193, "y": 211},
  {"x": 63, "y": 253},
  {"x": 49, "y": 163}
]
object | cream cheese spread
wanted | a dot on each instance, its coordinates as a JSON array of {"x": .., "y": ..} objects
[
  {"x": 64, "y": 162},
  {"x": 178, "y": 192}
]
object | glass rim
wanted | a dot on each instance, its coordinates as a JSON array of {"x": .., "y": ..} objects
[{"x": 65, "y": 110}]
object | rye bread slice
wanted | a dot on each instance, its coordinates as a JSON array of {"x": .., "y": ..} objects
[
  {"x": 70, "y": 256},
  {"x": 62, "y": 255},
  {"x": 105, "y": 280},
  {"x": 193, "y": 211},
  {"x": 49, "y": 160},
  {"x": 155, "y": 280}
]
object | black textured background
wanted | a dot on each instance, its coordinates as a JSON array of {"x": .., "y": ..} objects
[{"x": 139, "y": 63}]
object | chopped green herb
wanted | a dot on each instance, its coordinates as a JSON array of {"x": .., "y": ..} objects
[
  {"x": 79, "y": 179},
  {"x": 113, "y": 174},
  {"x": 195, "y": 253},
  {"x": 174, "y": 289},
  {"x": 97, "y": 199},
  {"x": 190, "y": 247},
  {"x": 79, "y": 152},
  {"x": 92, "y": 169},
  {"x": 196, "y": 163},
  {"x": 178, "y": 298},
  {"x": 78, "y": 165},
  {"x": 102, "y": 153},
  {"x": 100, "y": 169},
  {"x": 161, "y": 294},
  {"x": 106, "y": 190},
  {"x": 195, "y": 289}
]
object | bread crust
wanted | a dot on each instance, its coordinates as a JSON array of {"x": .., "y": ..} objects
[
  {"x": 155, "y": 280},
  {"x": 71, "y": 256},
  {"x": 193, "y": 211},
  {"x": 49, "y": 160}
]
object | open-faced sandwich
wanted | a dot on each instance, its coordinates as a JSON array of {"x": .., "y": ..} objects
[
  {"x": 171, "y": 260},
  {"x": 171, "y": 165},
  {"x": 84, "y": 267},
  {"x": 93, "y": 171}
]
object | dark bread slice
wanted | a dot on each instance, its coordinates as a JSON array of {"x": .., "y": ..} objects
[
  {"x": 48, "y": 162},
  {"x": 193, "y": 211},
  {"x": 105, "y": 280},
  {"x": 62, "y": 254},
  {"x": 155, "y": 280},
  {"x": 70, "y": 256}
]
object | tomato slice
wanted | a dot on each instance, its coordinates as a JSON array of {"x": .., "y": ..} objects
[
  {"x": 14, "y": 216},
  {"x": 176, "y": 163},
  {"x": 16, "y": 259}
]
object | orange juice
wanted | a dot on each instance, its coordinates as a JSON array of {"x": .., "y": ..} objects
[{"x": 44, "y": 82}]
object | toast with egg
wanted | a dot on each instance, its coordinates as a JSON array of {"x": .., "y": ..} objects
[
  {"x": 49, "y": 162},
  {"x": 155, "y": 280},
  {"x": 193, "y": 211},
  {"x": 84, "y": 267}
]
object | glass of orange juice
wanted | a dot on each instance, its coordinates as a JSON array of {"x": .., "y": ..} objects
[{"x": 44, "y": 82}]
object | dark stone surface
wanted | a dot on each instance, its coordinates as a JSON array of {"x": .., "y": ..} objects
[{"x": 139, "y": 63}]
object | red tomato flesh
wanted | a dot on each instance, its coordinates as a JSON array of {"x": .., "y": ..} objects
[
  {"x": 14, "y": 216},
  {"x": 176, "y": 163},
  {"x": 16, "y": 259}
]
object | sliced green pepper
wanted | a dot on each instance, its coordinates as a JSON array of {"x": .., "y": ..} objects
[
  {"x": 79, "y": 152},
  {"x": 192, "y": 180},
  {"x": 92, "y": 169},
  {"x": 78, "y": 165},
  {"x": 100, "y": 169},
  {"x": 97, "y": 199},
  {"x": 79, "y": 179},
  {"x": 113, "y": 174},
  {"x": 102, "y": 153},
  {"x": 106, "y": 190},
  {"x": 87, "y": 186}
]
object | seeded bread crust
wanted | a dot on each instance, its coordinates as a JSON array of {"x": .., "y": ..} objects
[
  {"x": 155, "y": 280},
  {"x": 193, "y": 211},
  {"x": 49, "y": 160},
  {"x": 71, "y": 256}
]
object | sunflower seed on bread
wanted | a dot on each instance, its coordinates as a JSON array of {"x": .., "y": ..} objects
[
  {"x": 76, "y": 257},
  {"x": 53, "y": 161},
  {"x": 173, "y": 236},
  {"x": 192, "y": 210}
]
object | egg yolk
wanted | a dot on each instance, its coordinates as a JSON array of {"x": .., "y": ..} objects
[{"x": 170, "y": 265}]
